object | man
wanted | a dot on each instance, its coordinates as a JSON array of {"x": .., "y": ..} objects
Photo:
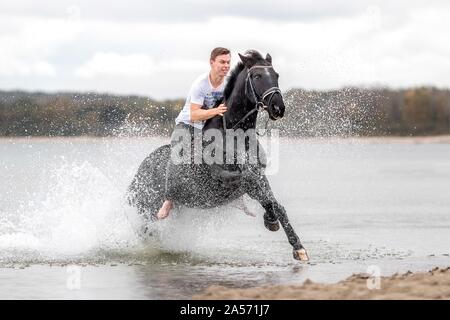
[{"x": 206, "y": 90}]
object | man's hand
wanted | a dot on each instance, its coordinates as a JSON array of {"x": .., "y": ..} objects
[
  {"x": 221, "y": 109},
  {"x": 199, "y": 114}
]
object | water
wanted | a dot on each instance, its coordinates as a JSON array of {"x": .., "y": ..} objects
[{"x": 67, "y": 233}]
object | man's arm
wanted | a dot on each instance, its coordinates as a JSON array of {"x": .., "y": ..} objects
[{"x": 199, "y": 114}]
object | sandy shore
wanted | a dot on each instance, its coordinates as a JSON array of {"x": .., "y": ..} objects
[{"x": 434, "y": 284}]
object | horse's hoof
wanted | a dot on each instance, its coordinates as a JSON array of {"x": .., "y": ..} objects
[
  {"x": 272, "y": 225},
  {"x": 301, "y": 255}
]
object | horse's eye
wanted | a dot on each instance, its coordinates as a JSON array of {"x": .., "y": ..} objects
[{"x": 257, "y": 77}]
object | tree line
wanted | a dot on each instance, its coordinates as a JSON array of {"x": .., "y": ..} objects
[{"x": 343, "y": 112}]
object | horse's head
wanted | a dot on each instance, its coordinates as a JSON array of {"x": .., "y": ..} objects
[{"x": 261, "y": 84}]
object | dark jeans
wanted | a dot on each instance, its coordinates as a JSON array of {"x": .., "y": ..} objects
[{"x": 182, "y": 146}]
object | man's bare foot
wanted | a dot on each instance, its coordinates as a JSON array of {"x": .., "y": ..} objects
[
  {"x": 241, "y": 205},
  {"x": 165, "y": 210}
]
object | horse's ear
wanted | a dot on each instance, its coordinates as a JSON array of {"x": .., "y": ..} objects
[
  {"x": 246, "y": 60},
  {"x": 268, "y": 58}
]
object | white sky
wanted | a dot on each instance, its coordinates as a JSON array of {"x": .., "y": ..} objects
[{"x": 156, "y": 48}]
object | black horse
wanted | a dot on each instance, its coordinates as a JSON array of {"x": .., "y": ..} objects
[{"x": 252, "y": 87}]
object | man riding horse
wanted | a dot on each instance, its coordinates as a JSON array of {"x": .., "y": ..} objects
[
  {"x": 204, "y": 93},
  {"x": 251, "y": 87}
]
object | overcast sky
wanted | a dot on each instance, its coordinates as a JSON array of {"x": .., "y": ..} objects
[{"x": 156, "y": 48}]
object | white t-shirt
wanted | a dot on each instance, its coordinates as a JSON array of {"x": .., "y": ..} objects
[{"x": 202, "y": 93}]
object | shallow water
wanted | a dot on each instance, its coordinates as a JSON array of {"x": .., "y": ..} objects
[{"x": 63, "y": 218}]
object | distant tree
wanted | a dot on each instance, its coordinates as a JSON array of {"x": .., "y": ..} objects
[
  {"x": 343, "y": 112},
  {"x": 418, "y": 113},
  {"x": 112, "y": 117}
]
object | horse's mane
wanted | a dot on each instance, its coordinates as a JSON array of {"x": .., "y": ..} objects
[
  {"x": 237, "y": 69},
  {"x": 232, "y": 80}
]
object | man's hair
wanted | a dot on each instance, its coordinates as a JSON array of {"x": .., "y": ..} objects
[{"x": 218, "y": 51}]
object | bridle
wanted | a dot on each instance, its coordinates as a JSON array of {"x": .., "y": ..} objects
[
  {"x": 259, "y": 103},
  {"x": 271, "y": 91}
]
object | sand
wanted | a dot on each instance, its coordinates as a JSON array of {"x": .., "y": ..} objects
[{"x": 434, "y": 284}]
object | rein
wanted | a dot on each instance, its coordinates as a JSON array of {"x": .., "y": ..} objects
[{"x": 259, "y": 104}]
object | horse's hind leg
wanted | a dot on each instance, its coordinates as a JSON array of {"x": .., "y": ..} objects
[{"x": 259, "y": 189}]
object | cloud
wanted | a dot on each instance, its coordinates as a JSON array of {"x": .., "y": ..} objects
[
  {"x": 187, "y": 11},
  {"x": 76, "y": 45},
  {"x": 28, "y": 45},
  {"x": 161, "y": 11},
  {"x": 132, "y": 65},
  {"x": 115, "y": 64},
  {"x": 13, "y": 67}
]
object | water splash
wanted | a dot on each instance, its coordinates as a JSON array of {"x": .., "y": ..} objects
[
  {"x": 75, "y": 211},
  {"x": 81, "y": 211}
]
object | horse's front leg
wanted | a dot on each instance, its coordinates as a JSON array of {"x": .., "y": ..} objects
[{"x": 259, "y": 189}]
